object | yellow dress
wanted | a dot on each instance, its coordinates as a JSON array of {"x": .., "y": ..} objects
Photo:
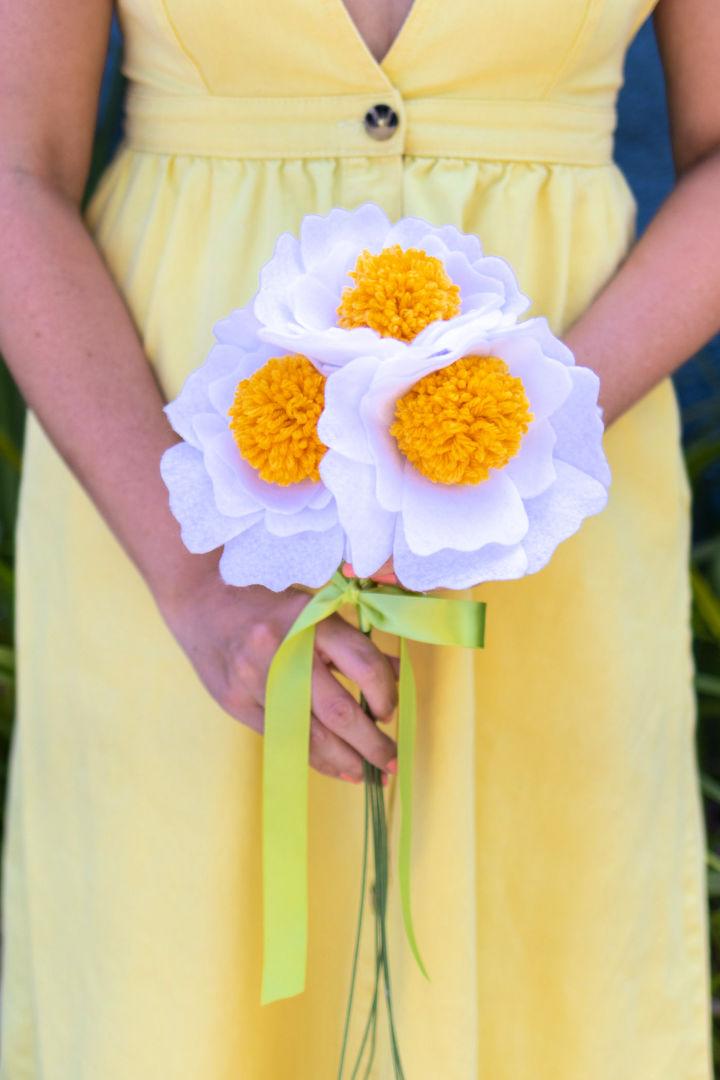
[{"x": 558, "y": 843}]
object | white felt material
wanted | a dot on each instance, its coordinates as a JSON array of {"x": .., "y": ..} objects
[
  {"x": 321, "y": 498},
  {"x": 306, "y": 520},
  {"x": 349, "y": 231},
  {"x": 463, "y": 517},
  {"x": 276, "y": 277},
  {"x": 258, "y": 558},
  {"x": 313, "y": 304},
  {"x": 515, "y": 301},
  {"x": 579, "y": 429},
  {"x": 340, "y": 424},
  {"x": 532, "y": 470},
  {"x": 283, "y": 500},
  {"x": 370, "y": 502},
  {"x": 369, "y": 528},
  {"x": 409, "y": 232},
  {"x": 453, "y": 335},
  {"x": 221, "y": 389},
  {"x": 377, "y": 413},
  {"x": 456, "y": 569},
  {"x": 551, "y": 345},
  {"x": 193, "y": 397},
  {"x": 558, "y": 512},
  {"x": 332, "y": 348},
  {"x": 302, "y": 284},
  {"x": 203, "y": 527},
  {"x": 546, "y": 382},
  {"x": 470, "y": 279},
  {"x": 454, "y": 240},
  {"x": 220, "y": 457},
  {"x": 239, "y": 328}
]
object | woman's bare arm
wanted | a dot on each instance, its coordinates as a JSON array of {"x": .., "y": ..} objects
[
  {"x": 664, "y": 302},
  {"x": 71, "y": 344}
]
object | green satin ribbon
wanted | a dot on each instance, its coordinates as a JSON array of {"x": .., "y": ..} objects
[{"x": 285, "y": 763}]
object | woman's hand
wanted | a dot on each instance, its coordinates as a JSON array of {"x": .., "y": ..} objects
[{"x": 231, "y": 635}]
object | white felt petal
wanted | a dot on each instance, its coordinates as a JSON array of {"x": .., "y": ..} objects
[
  {"x": 456, "y": 569},
  {"x": 331, "y": 246},
  {"x": 221, "y": 462},
  {"x": 369, "y": 528},
  {"x": 377, "y": 411},
  {"x": 307, "y": 520},
  {"x": 203, "y": 527},
  {"x": 532, "y": 470},
  {"x": 221, "y": 391},
  {"x": 258, "y": 558},
  {"x": 350, "y": 230},
  {"x": 277, "y": 275},
  {"x": 550, "y": 344},
  {"x": 515, "y": 302},
  {"x": 462, "y": 517},
  {"x": 312, "y": 303},
  {"x": 193, "y": 398},
  {"x": 409, "y": 232},
  {"x": 340, "y": 425},
  {"x": 239, "y": 328},
  {"x": 284, "y": 500},
  {"x": 463, "y": 274},
  {"x": 331, "y": 348},
  {"x": 579, "y": 428},
  {"x": 546, "y": 382},
  {"x": 457, "y": 335},
  {"x": 558, "y": 512},
  {"x": 321, "y": 498},
  {"x": 454, "y": 240}
]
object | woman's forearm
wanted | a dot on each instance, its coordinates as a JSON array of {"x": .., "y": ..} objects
[
  {"x": 71, "y": 345},
  {"x": 664, "y": 302}
]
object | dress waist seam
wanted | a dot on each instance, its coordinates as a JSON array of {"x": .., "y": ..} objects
[{"x": 334, "y": 126}]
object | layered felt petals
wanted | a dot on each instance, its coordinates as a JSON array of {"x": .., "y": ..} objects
[
  {"x": 302, "y": 285},
  {"x": 458, "y": 535},
  {"x": 275, "y": 535}
]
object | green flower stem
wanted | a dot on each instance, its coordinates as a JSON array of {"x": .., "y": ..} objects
[
  {"x": 375, "y": 815},
  {"x": 358, "y": 933}
]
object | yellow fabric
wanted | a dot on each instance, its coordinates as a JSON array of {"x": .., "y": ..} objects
[{"x": 558, "y": 844}]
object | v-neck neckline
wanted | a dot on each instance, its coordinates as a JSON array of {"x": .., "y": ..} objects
[{"x": 348, "y": 28}]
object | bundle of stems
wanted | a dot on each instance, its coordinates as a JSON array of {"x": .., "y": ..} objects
[{"x": 375, "y": 822}]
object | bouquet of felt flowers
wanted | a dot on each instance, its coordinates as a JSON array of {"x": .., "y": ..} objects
[{"x": 378, "y": 401}]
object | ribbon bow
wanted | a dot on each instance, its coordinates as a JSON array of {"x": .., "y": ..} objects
[{"x": 431, "y": 620}]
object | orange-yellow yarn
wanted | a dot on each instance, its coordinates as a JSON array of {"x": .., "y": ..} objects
[
  {"x": 456, "y": 424},
  {"x": 274, "y": 418},
  {"x": 398, "y": 293}
]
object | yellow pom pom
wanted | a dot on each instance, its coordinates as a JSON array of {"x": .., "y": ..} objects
[
  {"x": 274, "y": 419},
  {"x": 398, "y": 293},
  {"x": 456, "y": 424}
]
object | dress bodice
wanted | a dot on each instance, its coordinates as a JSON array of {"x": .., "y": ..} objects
[{"x": 550, "y": 62}]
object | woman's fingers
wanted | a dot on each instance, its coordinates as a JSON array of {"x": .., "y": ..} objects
[
  {"x": 384, "y": 576},
  {"x": 330, "y": 755},
  {"x": 354, "y": 654},
  {"x": 341, "y": 715}
]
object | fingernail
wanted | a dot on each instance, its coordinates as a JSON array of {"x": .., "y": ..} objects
[
  {"x": 351, "y": 779},
  {"x": 392, "y": 765},
  {"x": 385, "y": 779}
]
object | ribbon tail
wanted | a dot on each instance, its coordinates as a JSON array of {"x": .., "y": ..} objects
[
  {"x": 285, "y": 827},
  {"x": 407, "y": 713}
]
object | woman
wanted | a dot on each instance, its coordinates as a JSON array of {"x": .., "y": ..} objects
[{"x": 558, "y": 858}]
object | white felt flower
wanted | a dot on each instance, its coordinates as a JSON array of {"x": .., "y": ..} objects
[
  {"x": 245, "y": 477},
  {"x": 466, "y": 462},
  {"x": 353, "y": 281}
]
